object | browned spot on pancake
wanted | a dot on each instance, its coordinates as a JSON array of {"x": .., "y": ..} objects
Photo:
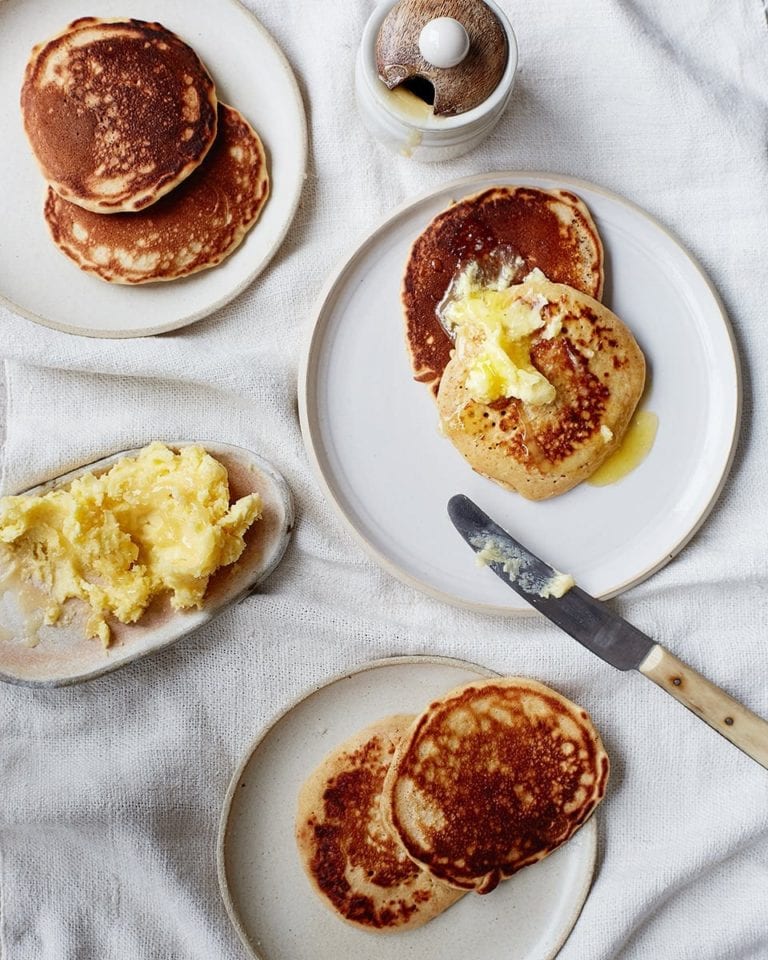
[
  {"x": 495, "y": 226},
  {"x": 541, "y": 450},
  {"x": 503, "y": 782},
  {"x": 341, "y": 839},
  {"x": 541, "y": 443},
  {"x": 580, "y": 416},
  {"x": 196, "y": 226},
  {"x": 117, "y": 113},
  {"x": 347, "y": 850}
]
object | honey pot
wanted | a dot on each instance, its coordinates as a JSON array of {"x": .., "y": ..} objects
[{"x": 433, "y": 77}]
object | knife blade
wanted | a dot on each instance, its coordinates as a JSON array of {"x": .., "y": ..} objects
[{"x": 603, "y": 632}]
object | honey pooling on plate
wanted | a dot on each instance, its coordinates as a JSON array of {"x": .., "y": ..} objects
[{"x": 635, "y": 447}]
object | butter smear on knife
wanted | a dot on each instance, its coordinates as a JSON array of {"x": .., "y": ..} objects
[{"x": 493, "y": 550}]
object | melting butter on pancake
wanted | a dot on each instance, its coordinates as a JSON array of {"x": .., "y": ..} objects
[
  {"x": 493, "y": 777},
  {"x": 118, "y": 112},
  {"x": 349, "y": 855},
  {"x": 191, "y": 229},
  {"x": 541, "y": 385},
  {"x": 503, "y": 231}
]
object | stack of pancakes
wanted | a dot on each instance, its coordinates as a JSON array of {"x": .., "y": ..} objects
[
  {"x": 506, "y": 235},
  {"x": 150, "y": 176},
  {"x": 410, "y": 813}
]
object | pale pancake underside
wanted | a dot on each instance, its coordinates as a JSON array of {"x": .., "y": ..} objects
[
  {"x": 350, "y": 857},
  {"x": 543, "y": 450},
  {"x": 196, "y": 227}
]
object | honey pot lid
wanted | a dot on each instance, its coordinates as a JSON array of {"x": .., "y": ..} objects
[{"x": 458, "y": 46}]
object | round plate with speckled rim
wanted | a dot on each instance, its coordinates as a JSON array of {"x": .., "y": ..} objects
[
  {"x": 250, "y": 72},
  {"x": 372, "y": 432},
  {"x": 268, "y": 897}
]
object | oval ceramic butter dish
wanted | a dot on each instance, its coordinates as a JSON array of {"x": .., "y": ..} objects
[
  {"x": 37, "y": 654},
  {"x": 433, "y": 77}
]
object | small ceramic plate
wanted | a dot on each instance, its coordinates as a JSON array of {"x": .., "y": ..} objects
[
  {"x": 250, "y": 73},
  {"x": 372, "y": 432},
  {"x": 267, "y": 895},
  {"x": 62, "y": 654}
]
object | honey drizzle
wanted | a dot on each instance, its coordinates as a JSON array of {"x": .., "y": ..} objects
[{"x": 634, "y": 448}]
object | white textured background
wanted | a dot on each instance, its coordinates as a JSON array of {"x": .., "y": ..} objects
[{"x": 110, "y": 792}]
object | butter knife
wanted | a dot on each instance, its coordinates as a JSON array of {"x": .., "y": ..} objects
[{"x": 606, "y": 634}]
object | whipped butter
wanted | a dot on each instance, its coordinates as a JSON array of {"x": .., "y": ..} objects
[
  {"x": 157, "y": 522},
  {"x": 494, "y": 325}
]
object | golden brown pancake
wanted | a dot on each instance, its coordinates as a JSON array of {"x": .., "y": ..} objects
[
  {"x": 191, "y": 229},
  {"x": 542, "y": 450},
  {"x": 518, "y": 228},
  {"x": 118, "y": 112},
  {"x": 351, "y": 859},
  {"x": 492, "y": 777}
]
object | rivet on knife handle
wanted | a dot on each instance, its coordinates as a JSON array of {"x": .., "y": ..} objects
[{"x": 732, "y": 719}]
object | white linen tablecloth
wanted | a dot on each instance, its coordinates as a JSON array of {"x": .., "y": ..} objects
[{"x": 111, "y": 790}]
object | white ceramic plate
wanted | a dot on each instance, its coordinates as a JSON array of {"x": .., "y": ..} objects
[
  {"x": 372, "y": 431},
  {"x": 250, "y": 73},
  {"x": 63, "y": 654},
  {"x": 267, "y": 895}
]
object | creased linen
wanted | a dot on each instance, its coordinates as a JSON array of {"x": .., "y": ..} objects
[{"x": 111, "y": 790}]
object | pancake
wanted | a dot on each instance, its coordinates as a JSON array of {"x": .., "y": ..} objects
[
  {"x": 492, "y": 777},
  {"x": 511, "y": 228},
  {"x": 118, "y": 112},
  {"x": 191, "y": 229},
  {"x": 351, "y": 859},
  {"x": 544, "y": 449}
]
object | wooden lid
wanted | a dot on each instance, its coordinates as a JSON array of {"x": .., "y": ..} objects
[{"x": 459, "y": 88}]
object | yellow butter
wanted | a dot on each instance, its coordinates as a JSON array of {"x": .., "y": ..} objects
[
  {"x": 494, "y": 326},
  {"x": 160, "y": 521}
]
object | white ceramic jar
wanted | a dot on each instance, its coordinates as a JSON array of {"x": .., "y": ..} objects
[{"x": 408, "y": 125}]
